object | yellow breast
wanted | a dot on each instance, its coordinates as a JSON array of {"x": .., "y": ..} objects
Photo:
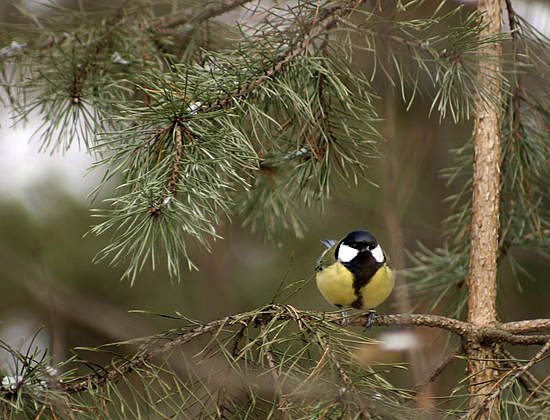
[
  {"x": 336, "y": 285},
  {"x": 378, "y": 288}
]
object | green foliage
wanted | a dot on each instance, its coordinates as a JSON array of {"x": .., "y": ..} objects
[
  {"x": 221, "y": 112},
  {"x": 434, "y": 55},
  {"x": 195, "y": 128}
]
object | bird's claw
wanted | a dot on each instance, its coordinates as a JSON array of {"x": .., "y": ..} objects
[
  {"x": 345, "y": 318},
  {"x": 371, "y": 317}
]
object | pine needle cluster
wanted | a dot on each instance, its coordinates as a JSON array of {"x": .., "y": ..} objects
[{"x": 195, "y": 129}]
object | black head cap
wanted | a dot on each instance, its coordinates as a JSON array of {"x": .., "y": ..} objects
[{"x": 360, "y": 239}]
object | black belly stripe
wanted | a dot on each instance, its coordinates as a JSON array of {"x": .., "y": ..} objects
[
  {"x": 363, "y": 267},
  {"x": 357, "y": 303}
]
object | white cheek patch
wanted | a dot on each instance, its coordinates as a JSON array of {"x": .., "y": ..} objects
[
  {"x": 346, "y": 253},
  {"x": 378, "y": 254}
]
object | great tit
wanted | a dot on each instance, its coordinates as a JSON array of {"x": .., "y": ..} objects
[{"x": 353, "y": 272}]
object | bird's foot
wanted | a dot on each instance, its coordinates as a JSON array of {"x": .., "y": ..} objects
[
  {"x": 345, "y": 318},
  {"x": 371, "y": 317}
]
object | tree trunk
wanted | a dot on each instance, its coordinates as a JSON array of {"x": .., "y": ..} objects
[{"x": 482, "y": 274}]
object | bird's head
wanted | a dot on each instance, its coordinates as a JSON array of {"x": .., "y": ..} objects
[{"x": 357, "y": 243}]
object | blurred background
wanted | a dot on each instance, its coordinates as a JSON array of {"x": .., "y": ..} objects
[{"x": 48, "y": 281}]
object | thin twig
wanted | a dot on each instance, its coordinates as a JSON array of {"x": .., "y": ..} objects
[
  {"x": 344, "y": 375},
  {"x": 175, "y": 174},
  {"x": 434, "y": 321},
  {"x": 528, "y": 380},
  {"x": 542, "y": 384},
  {"x": 221, "y": 408},
  {"x": 197, "y": 16},
  {"x": 237, "y": 340},
  {"x": 487, "y": 400},
  {"x": 315, "y": 372},
  {"x": 517, "y": 89},
  {"x": 166, "y": 25},
  {"x": 273, "y": 371},
  {"x": 438, "y": 370}
]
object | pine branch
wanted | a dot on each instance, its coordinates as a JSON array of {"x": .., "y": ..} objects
[
  {"x": 466, "y": 330},
  {"x": 140, "y": 360},
  {"x": 92, "y": 65},
  {"x": 463, "y": 329},
  {"x": 318, "y": 26}
]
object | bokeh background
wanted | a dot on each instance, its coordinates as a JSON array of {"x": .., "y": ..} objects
[{"x": 48, "y": 282}]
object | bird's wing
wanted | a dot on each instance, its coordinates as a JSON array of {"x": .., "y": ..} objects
[
  {"x": 327, "y": 257},
  {"x": 329, "y": 243}
]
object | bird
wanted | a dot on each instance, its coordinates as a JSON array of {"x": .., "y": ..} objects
[{"x": 353, "y": 273}]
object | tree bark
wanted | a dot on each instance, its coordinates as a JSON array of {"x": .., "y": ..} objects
[{"x": 482, "y": 274}]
